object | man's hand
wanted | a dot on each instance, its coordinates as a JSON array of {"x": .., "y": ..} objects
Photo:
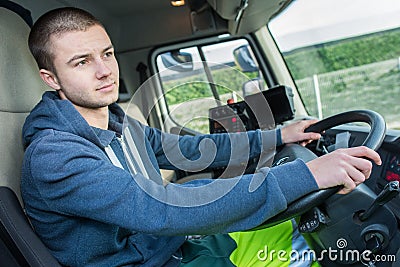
[
  {"x": 294, "y": 132},
  {"x": 348, "y": 167}
]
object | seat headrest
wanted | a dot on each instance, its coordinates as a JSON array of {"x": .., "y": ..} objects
[
  {"x": 20, "y": 84},
  {"x": 24, "y": 13}
]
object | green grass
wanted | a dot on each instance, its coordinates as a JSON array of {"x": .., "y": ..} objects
[
  {"x": 346, "y": 53},
  {"x": 374, "y": 86}
]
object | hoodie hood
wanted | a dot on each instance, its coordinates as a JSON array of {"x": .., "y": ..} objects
[{"x": 55, "y": 114}]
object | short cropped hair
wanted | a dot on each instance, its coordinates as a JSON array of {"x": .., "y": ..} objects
[{"x": 53, "y": 23}]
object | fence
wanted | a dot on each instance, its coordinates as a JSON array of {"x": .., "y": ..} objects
[{"x": 374, "y": 86}]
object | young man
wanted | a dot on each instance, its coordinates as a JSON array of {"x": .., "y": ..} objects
[{"x": 92, "y": 188}]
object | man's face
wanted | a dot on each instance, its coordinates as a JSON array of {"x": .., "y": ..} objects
[{"x": 87, "y": 70}]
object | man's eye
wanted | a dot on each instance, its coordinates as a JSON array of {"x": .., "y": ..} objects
[
  {"x": 109, "y": 54},
  {"x": 81, "y": 63}
]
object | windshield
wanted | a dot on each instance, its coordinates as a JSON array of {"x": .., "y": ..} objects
[
  {"x": 343, "y": 55},
  {"x": 191, "y": 92}
]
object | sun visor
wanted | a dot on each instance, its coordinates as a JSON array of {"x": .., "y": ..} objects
[{"x": 245, "y": 16}]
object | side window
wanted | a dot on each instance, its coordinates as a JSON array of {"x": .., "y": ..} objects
[{"x": 198, "y": 78}]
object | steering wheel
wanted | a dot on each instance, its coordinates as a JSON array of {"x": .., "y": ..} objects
[{"x": 374, "y": 140}]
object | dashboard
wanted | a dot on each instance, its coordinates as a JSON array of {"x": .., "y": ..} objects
[
  {"x": 393, "y": 168},
  {"x": 239, "y": 117},
  {"x": 390, "y": 170}
]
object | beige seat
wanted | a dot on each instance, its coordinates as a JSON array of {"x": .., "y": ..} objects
[{"x": 20, "y": 89}]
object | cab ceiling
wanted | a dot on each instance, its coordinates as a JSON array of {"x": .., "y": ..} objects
[{"x": 135, "y": 25}]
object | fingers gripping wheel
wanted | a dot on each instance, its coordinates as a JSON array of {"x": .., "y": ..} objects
[
  {"x": 373, "y": 141},
  {"x": 375, "y": 121}
]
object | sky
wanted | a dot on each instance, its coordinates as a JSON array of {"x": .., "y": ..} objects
[{"x": 332, "y": 20}]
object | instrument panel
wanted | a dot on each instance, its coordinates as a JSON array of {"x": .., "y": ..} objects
[
  {"x": 393, "y": 169},
  {"x": 389, "y": 170}
]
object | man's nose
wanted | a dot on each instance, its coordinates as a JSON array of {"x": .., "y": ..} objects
[{"x": 102, "y": 69}]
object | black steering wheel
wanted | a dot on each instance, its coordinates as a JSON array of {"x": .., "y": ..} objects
[{"x": 313, "y": 199}]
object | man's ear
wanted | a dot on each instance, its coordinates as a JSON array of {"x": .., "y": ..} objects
[{"x": 50, "y": 79}]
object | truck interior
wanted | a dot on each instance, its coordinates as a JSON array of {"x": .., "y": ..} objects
[{"x": 211, "y": 66}]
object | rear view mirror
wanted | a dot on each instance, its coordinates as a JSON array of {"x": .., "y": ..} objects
[
  {"x": 177, "y": 61},
  {"x": 244, "y": 59}
]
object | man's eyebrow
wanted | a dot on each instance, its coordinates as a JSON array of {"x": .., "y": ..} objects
[
  {"x": 77, "y": 57},
  {"x": 108, "y": 48},
  {"x": 87, "y": 55}
]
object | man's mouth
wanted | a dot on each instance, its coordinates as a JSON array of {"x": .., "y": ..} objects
[{"x": 106, "y": 87}]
